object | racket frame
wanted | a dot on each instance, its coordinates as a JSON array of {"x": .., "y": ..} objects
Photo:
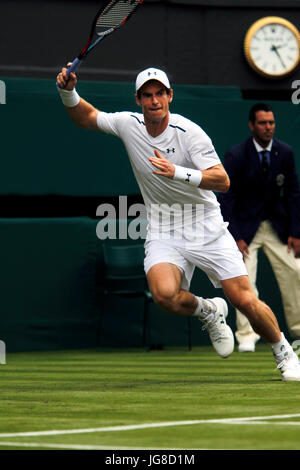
[{"x": 89, "y": 45}]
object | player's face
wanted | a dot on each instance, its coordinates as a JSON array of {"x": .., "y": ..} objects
[
  {"x": 263, "y": 128},
  {"x": 155, "y": 101}
]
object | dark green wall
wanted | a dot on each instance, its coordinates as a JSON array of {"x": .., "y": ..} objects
[
  {"x": 43, "y": 152},
  {"x": 50, "y": 298},
  {"x": 51, "y": 292},
  {"x": 52, "y": 295}
]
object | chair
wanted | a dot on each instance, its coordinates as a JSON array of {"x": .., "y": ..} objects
[{"x": 124, "y": 276}]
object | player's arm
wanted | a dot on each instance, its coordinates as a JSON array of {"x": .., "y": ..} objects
[
  {"x": 214, "y": 178},
  {"x": 79, "y": 110}
]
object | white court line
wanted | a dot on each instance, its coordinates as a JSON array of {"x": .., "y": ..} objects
[
  {"x": 87, "y": 447},
  {"x": 280, "y": 423},
  {"x": 78, "y": 446},
  {"x": 132, "y": 427}
]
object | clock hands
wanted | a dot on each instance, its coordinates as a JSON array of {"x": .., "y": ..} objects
[
  {"x": 275, "y": 49},
  {"x": 280, "y": 45}
]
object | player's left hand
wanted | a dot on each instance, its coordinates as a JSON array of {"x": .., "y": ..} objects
[
  {"x": 294, "y": 243},
  {"x": 165, "y": 167}
]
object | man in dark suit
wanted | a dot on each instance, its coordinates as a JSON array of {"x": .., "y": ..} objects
[{"x": 262, "y": 207}]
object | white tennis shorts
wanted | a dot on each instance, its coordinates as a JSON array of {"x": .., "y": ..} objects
[{"x": 220, "y": 259}]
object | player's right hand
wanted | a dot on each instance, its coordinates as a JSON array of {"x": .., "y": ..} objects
[
  {"x": 165, "y": 167},
  {"x": 64, "y": 81},
  {"x": 243, "y": 247}
]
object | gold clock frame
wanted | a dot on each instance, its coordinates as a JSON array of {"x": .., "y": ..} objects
[{"x": 254, "y": 28}]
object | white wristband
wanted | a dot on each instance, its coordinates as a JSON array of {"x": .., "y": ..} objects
[
  {"x": 69, "y": 98},
  {"x": 188, "y": 175}
]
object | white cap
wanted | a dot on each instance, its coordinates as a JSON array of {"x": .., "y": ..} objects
[{"x": 151, "y": 74}]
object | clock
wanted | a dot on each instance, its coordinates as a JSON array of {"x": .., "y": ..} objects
[{"x": 272, "y": 47}]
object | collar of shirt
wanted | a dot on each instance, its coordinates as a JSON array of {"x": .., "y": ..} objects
[{"x": 259, "y": 149}]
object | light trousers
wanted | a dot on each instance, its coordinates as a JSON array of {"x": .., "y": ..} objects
[{"x": 286, "y": 269}]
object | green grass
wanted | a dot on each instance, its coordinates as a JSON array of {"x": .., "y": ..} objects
[{"x": 66, "y": 390}]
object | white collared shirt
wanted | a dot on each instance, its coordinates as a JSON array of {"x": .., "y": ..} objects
[
  {"x": 182, "y": 143},
  {"x": 259, "y": 148}
]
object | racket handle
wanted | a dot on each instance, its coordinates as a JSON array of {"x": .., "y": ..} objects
[{"x": 76, "y": 62}]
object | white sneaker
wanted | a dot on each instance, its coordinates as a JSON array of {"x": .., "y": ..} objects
[
  {"x": 289, "y": 367},
  {"x": 247, "y": 346},
  {"x": 213, "y": 315}
]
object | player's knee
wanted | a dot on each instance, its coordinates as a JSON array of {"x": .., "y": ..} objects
[
  {"x": 245, "y": 303},
  {"x": 166, "y": 299}
]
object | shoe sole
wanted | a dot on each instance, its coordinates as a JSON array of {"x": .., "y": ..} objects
[{"x": 290, "y": 378}]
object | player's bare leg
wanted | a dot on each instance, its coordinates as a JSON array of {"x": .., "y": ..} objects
[
  {"x": 262, "y": 319},
  {"x": 264, "y": 323},
  {"x": 164, "y": 281}
]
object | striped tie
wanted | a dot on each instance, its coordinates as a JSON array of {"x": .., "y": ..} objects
[{"x": 264, "y": 162}]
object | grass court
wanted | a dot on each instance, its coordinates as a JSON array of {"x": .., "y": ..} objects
[{"x": 133, "y": 399}]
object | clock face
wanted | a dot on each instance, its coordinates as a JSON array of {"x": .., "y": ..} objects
[{"x": 272, "y": 47}]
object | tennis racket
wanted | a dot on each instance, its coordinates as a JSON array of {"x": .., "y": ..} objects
[{"x": 107, "y": 20}]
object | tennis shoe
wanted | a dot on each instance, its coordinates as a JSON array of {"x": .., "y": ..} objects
[
  {"x": 289, "y": 366},
  {"x": 213, "y": 316}
]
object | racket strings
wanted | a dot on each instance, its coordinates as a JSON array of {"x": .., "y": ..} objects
[{"x": 115, "y": 13}]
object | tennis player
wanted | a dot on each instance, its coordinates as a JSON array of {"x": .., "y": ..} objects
[{"x": 177, "y": 169}]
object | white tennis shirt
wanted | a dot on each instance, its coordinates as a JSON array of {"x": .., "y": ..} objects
[{"x": 183, "y": 143}]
